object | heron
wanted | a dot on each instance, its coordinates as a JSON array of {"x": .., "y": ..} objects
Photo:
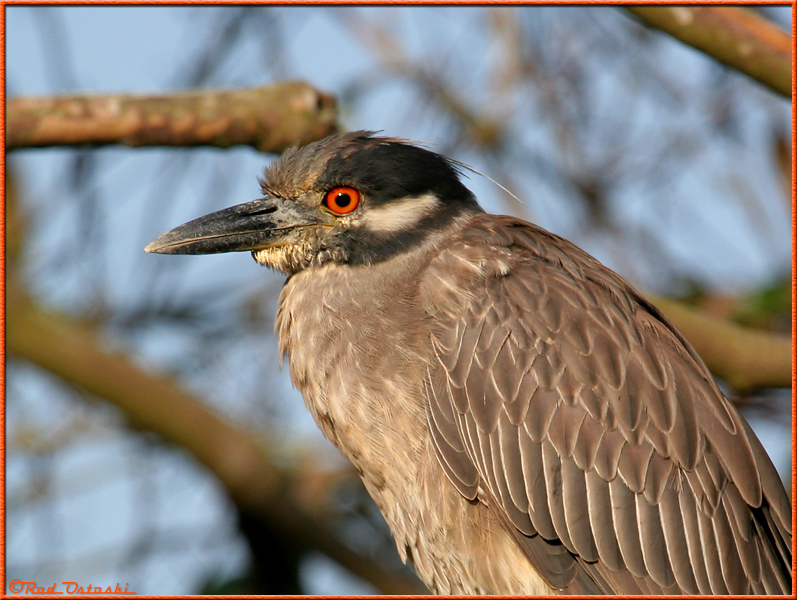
[{"x": 525, "y": 420}]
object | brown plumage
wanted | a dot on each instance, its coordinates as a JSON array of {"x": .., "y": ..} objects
[
  {"x": 525, "y": 420},
  {"x": 543, "y": 353}
]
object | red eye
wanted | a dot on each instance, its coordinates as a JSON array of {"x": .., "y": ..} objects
[{"x": 342, "y": 200}]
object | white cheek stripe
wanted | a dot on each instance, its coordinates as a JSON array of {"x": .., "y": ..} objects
[{"x": 400, "y": 215}]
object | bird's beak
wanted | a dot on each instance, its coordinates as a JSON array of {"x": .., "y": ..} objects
[{"x": 251, "y": 226}]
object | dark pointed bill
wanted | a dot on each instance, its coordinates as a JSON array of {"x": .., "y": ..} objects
[{"x": 250, "y": 226}]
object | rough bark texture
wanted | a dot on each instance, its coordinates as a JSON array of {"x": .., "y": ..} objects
[{"x": 269, "y": 119}]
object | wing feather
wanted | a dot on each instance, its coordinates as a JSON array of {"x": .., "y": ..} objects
[
  {"x": 675, "y": 538},
  {"x": 574, "y": 495},
  {"x": 626, "y": 528},
  {"x": 697, "y": 557},
  {"x": 511, "y": 463},
  {"x": 587, "y": 443},
  {"x": 552, "y": 471},
  {"x": 564, "y": 427},
  {"x": 651, "y": 534},
  {"x": 536, "y": 487},
  {"x": 518, "y": 513},
  {"x": 570, "y": 406},
  {"x": 732, "y": 570},
  {"x": 601, "y": 521},
  {"x": 711, "y": 551}
]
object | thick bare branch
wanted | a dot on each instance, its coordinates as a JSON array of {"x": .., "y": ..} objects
[
  {"x": 734, "y": 36},
  {"x": 745, "y": 358},
  {"x": 71, "y": 351},
  {"x": 270, "y": 119}
]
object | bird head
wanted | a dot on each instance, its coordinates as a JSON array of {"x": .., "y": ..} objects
[{"x": 350, "y": 198}]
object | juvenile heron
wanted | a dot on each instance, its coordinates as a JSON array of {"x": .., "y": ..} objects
[{"x": 525, "y": 420}]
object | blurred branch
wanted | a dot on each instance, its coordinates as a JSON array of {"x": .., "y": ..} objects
[
  {"x": 734, "y": 36},
  {"x": 71, "y": 351},
  {"x": 745, "y": 358},
  {"x": 482, "y": 130},
  {"x": 14, "y": 225},
  {"x": 269, "y": 119},
  {"x": 783, "y": 158}
]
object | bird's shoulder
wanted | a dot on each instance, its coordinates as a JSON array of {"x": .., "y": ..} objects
[
  {"x": 492, "y": 250},
  {"x": 561, "y": 397}
]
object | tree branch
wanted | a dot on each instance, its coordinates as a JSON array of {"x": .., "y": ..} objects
[
  {"x": 71, "y": 351},
  {"x": 269, "y": 119},
  {"x": 734, "y": 36},
  {"x": 745, "y": 358}
]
